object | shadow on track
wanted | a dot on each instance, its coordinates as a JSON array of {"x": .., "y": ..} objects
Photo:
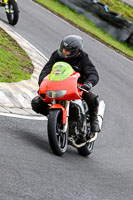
[{"x": 32, "y": 139}]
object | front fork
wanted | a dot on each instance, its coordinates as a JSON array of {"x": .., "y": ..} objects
[
  {"x": 6, "y": 5},
  {"x": 65, "y": 113},
  {"x": 67, "y": 106}
]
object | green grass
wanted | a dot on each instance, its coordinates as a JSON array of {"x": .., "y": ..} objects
[
  {"x": 15, "y": 64},
  {"x": 86, "y": 25}
]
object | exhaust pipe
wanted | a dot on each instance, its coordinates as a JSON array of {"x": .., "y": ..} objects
[{"x": 100, "y": 113}]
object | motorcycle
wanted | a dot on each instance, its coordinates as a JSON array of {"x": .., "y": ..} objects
[
  {"x": 11, "y": 9},
  {"x": 68, "y": 118}
]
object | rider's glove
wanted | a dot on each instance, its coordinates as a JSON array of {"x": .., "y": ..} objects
[{"x": 87, "y": 86}]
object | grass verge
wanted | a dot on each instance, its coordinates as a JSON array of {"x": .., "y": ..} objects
[
  {"x": 86, "y": 25},
  {"x": 15, "y": 65}
]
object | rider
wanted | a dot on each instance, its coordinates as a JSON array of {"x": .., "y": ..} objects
[{"x": 70, "y": 51}]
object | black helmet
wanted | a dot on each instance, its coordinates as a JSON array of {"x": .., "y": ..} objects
[{"x": 72, "y": 43}]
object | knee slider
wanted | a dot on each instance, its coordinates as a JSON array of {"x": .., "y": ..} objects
[{"x": 35, "y": 103}]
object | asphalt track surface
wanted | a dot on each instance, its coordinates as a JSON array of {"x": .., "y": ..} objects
[{"x": 29, "y": 170}]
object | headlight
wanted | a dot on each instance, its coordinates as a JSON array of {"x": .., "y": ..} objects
[{"x": 56, "y": 94}]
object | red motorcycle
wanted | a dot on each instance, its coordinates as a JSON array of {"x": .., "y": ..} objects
[{"x": 68, "y": 118}]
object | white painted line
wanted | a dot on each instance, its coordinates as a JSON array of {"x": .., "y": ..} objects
[{"x": 23, "y": 116}]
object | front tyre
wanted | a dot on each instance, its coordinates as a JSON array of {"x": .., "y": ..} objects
[
  {"x": 57, "y": 138},
  {"x": 86, "y": 150},
  {"x": 13, "y": 13}
]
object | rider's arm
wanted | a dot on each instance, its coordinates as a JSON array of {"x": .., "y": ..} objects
[
  {"x": 48, "y": 67},
  {"x": 90, "y": 71}
]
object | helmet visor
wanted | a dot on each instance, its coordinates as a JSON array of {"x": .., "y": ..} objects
[{"x": 67, "y": 52}]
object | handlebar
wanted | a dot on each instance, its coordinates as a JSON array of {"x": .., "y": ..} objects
[{"x": 83, "y": 89}]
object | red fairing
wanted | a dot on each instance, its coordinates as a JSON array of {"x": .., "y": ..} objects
[
  {"x": 58, "y": 106},
  {"x": 69, "y": 84}
]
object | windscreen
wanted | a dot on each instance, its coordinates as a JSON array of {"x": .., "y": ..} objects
[{"x": 60, "y": 71}]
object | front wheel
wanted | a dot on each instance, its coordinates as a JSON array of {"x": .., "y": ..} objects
[
  {"x": 57, "y": 138},
  {"x": 86, "y": 150},
  {"x": 13, "y": 13}
]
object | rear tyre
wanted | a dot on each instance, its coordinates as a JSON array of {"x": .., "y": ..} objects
[
  {"x": 57, "y": 138},
  {"x": 86, "y": 150},
  {"x": 13, "y": 13}
]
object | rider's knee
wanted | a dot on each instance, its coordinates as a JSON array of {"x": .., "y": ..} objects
[
  {"x": 35, "y": 103},
  {"x": 39, "y": 106},
  {"x": 97, "y": 100}
]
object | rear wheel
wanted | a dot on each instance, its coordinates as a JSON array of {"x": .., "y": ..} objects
[
  {"x": 13, "y": 13},
  {"x": 57, "y": 138},
  {"x": 86, "y": 150}
]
